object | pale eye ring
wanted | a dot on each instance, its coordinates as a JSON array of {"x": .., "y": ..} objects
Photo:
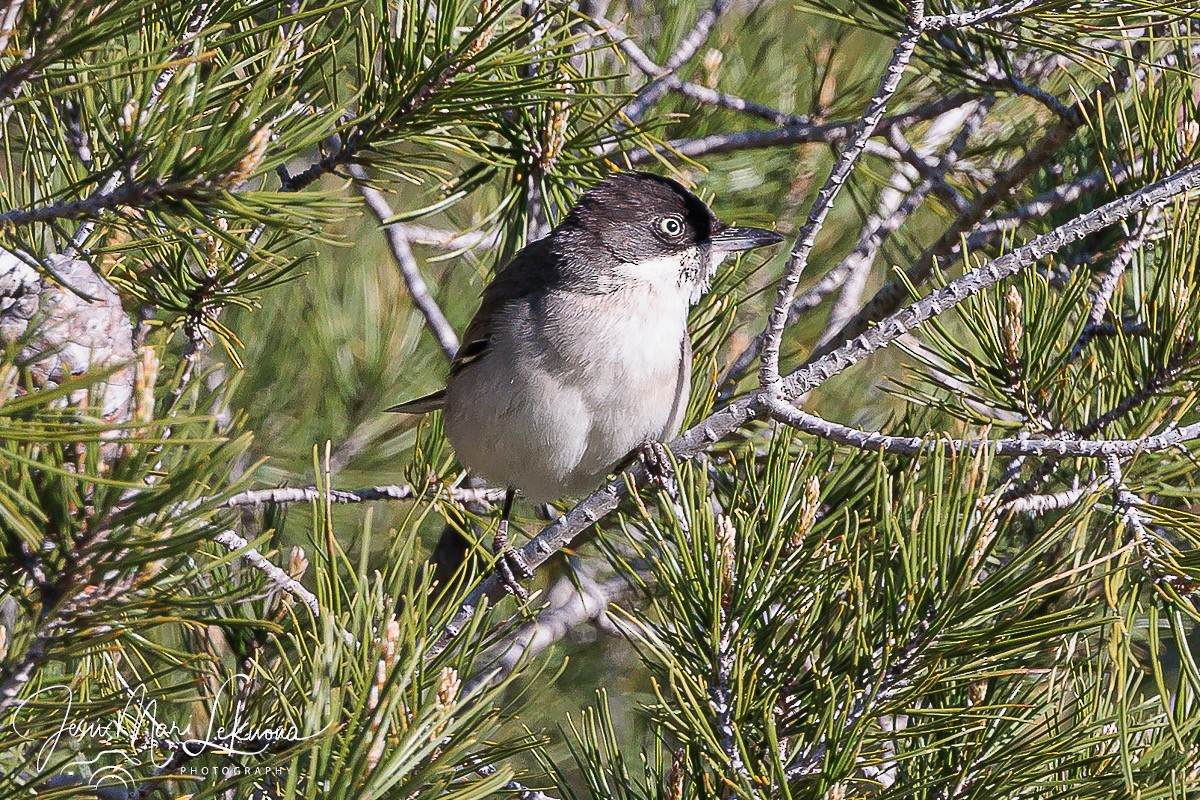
[{"x": 671, "y": 226}]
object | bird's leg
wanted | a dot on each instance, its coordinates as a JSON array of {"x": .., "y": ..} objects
[{"x": 506, "y": 557}]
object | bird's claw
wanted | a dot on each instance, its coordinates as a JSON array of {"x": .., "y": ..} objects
[
  {"x": 656, "y": 460},
  {"x": 509, "y": 564}
]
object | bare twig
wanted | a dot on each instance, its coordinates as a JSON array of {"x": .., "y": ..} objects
[
  {"x": 257, "y": 497},
  {"x": 684, "y": 51},
  {"x": 796, "y": 132},
  {"x": 574, "y": 599},
  {"x": 770, "y": 379},
  {"x": 435, "y": 319},
  {"x": 1047, "y": 202},
  {"x": 1111, "y": 277},
  {"x": 1121, "y": 261},
  {"x": 1037, "y": 504},
  {"x": 916, "y": 445},
  {"x": 968, "y": 19},
  {"x": 196, "y": 22},
  {"x": 280, "y": 579},
  {"x": 891, "y": 296},
  {"x": 695, "y": 91},
  {"x": 101, "y": 200},
  {"x": 890, "y": 216},
  {"x": 447, "y": 240},
  {"x": 1126, "y": 505}
]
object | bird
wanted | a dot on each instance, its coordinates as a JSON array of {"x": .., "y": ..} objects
[{"x": 579, "y": 355}]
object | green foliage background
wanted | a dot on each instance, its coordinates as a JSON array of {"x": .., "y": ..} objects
[{"x": 847, "y": 624}]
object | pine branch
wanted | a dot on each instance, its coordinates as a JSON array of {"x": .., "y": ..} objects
[
  {"x": 970, "y": 19},
  {"x": 687, "y": 48},
  {"x": 795, "y": 133},
  {"x": 885, "y": 222},
  {"x": 574, "y": 599},
  {"x": 565, "y": 529},
  {"x": 891, "y": 296},
  {"x": 695, "y": 91},
  {"x": 894, "y": 207},
  {"x": 824, "y": 367},
  {"x": 196, "y": 22},
  {"x": 106, "y": 199},
  {"x": 1111, "y": 277}
]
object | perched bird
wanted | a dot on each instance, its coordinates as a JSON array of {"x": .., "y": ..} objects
[{"x": 579, "y": 353}]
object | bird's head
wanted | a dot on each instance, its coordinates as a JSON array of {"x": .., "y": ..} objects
[{"x": 636, "y": 228}]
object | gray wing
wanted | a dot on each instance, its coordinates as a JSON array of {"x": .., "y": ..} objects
[
  {"x": 683, "y": 390},
  {"x": 528, "y": 272}
]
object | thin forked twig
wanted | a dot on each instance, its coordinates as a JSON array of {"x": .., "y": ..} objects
[
  {"x": 435, "y": 319},
  {"x": 1112, "y": 278},
  {"x": 893, "y": 295},
  {"x": 695, "y": 91},
  {"x": 795, "y": 132},
  {"x": 688, "y": 46},
  {"x": 770, "y": 379}
]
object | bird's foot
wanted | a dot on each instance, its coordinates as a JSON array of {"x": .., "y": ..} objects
[
  {"x": 509, "y": 563},
  {"x": 656, "y": 460}
]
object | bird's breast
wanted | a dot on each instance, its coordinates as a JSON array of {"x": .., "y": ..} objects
[{"x": 620, "y": 343}]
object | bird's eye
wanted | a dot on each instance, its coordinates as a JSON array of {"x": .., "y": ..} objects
[{"x": 671, "y": 226}]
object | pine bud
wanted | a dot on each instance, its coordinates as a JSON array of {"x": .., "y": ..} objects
[
  {"x": 675, "y": 780},
  {"x": 448, "y": 690},
  {"x": 808, "y": 512},
  {"x": 727, "y": 551},
  {"x": 253, "y": 158}
]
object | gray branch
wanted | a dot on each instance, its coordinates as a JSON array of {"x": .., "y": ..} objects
[
  {"x": 1037, "y": 504},
  {"x": 695, "y": 91},
  {"x": 798, "y": 132},
  {"x": 464, "y": 496},
  {"x": 574, "y": 599},
  {"x": 1111, "y": 278},
  {"x": 890, "y": 216},
  {"x": 277, "y": 577},
  {"x": 684, "y": 51},
  {"x": 893, "y": 295},
  {"x": 918, "y": 445},
  {"x": 968, "y": 19}
]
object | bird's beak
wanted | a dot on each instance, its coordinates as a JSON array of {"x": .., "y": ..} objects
[{"x": 732, "y": 240}]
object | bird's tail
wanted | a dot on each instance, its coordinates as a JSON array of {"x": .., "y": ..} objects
[{"x": 430, "y": 402}]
